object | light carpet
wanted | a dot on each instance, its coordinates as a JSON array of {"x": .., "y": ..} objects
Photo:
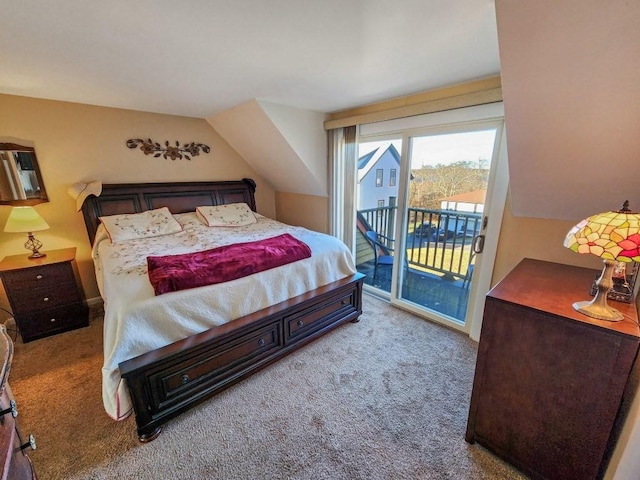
[{"x": 385, "y": 398}]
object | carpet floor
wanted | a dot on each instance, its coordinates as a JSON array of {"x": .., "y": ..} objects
[{"x": 385, "y": 398}]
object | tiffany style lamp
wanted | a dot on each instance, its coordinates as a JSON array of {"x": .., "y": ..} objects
[{"x": 614, "y": 237}]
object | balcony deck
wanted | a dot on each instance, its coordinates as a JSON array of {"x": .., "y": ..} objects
[
  {"x": 439, "y": 256},
  {"x": 445, "y": 294}
]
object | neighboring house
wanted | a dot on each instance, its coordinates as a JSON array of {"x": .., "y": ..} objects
[
  {"x": 472, "y": 202},
  {"x": 454, "y": 209},
  {"x": 378, "y": 178}
]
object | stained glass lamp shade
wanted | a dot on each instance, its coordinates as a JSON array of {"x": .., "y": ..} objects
[{"x": 614, "y": 237}]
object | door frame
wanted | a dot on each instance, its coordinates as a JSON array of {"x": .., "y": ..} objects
[{"x": 465, "y": 118}]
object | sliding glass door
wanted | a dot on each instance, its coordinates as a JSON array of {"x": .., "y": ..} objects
[
  {"x": 446, "y": 193},
  {"x": 425, "y": 197}
]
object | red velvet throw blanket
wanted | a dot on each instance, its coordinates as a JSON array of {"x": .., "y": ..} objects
[{"x": 171, "y": 273}]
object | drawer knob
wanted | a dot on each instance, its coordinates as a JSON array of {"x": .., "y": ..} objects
[
  {"x": 13, "y": 409},
  {"x": 45, "y": 299},
  {"x": 184, "y": 379},
  {"x": 262, "y": 342},
  {"x": 300, "y": 323},
  {"x": 30, "y": 444},
  {"x": 38, "y": 277},
  {"x": 345, "y": 302},
  {"x": 52, "y": 320}
]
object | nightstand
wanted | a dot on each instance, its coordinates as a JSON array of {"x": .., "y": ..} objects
[{"x": 45, "y": 294}]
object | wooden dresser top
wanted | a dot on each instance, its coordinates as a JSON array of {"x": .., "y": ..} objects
[{"x": 554, "y": 287}]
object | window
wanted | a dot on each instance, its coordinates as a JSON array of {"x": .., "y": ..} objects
[
  {"x": 380, "y": 207},
  {"x": 392, "y": 177},
  {"x": 379, "y": 177}
]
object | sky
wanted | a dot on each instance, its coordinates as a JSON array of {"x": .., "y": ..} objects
[{"x": 443, "y": 149}]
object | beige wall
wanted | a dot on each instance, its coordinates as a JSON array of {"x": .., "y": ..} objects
[
  {"x": 537, "y": 238},
  {"x": 76, "y": 142},
  {"x": 307, "y": 211}
]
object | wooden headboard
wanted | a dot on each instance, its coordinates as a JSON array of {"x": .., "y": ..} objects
[{"x": 119, "y": 198}]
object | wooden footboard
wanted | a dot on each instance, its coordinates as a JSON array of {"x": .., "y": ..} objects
[{"x": 166, "y": 382}]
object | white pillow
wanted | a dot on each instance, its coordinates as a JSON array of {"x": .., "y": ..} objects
[
  {"x": 230, "y": 215},
  {"x": 130, "y": 226}
]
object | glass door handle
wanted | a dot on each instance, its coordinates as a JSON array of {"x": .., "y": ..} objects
[{"x": 478, "y": 244}]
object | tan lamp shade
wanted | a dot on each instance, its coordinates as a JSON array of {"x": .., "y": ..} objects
[{"x": 25, "y": 219}]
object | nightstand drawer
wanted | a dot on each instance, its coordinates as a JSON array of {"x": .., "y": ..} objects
[
  {"x": 56, "y": 320},
  {"x": 48, "y": 297},
  {"x": 34, "y": 277}
]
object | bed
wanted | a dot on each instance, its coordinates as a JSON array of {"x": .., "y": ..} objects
[{"x": 165, "y": 353}]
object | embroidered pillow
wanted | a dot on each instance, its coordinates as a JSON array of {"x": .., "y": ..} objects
[
  {"x": 230, "y": 215},
  {"x": 130, "y": 226}
]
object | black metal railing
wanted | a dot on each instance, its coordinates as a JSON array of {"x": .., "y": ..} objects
[{"x": 437, "y": 241}]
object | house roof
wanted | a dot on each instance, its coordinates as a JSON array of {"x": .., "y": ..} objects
[
  {"x": 364, "y": 160},
  {"x": 369, "y": 160},
  {"x": 477, "y": 196}
]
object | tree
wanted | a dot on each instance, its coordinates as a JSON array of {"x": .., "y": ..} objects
[{"x": 431, "y": 184}]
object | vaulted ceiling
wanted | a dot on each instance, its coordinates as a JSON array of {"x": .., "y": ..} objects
[{"x": 198, "y": 58}]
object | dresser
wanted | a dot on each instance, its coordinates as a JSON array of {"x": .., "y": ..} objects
[
  {"x": 14, "y": 461},
  {"x": 45, "y": 294},
  {"x": 551, "y": 385}
]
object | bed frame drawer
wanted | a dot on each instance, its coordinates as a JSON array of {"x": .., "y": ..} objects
[
  {"x": 311, "y": 320},
  {"x": 211, "y": 366}
]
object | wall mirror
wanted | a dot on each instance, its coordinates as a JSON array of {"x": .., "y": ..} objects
[{"x": 20, "y": 178}]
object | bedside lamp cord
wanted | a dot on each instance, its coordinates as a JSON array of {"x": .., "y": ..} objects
[
  {"x": 631, "y": 319},
  {"x": 11, "y": 330}
]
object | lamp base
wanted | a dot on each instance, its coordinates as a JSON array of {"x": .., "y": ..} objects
[
  {"x": 34, "y": 245},
  {"x": 598, "y": 307},
  {"x": 593, "y": 310}
]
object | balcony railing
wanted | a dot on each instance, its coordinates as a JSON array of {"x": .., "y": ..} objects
[{"x": 437, "y": 241}]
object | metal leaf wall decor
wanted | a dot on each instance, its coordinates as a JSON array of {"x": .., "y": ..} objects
[{"x": 149, "y": 147}]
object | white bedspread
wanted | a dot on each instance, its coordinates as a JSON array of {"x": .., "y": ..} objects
[{"x": 136, "y": 321}]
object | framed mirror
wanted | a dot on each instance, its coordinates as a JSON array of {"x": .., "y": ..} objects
[{"x": 20, "y": 178}]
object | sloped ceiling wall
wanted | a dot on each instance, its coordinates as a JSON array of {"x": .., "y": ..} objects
[
  {"x": 571, "y": 88},
  {"x": 286, "y": 146}
]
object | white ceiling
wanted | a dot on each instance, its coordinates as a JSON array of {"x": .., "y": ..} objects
[{"x": 201, "y": 57}]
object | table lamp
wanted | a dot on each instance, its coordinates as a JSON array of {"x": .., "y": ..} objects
[
  {"x": 27, "y": 220},
  {"x": 614, "y": 237}
]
